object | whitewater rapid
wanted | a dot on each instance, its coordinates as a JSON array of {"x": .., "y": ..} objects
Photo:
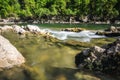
[{"x": 83, "y": 36}]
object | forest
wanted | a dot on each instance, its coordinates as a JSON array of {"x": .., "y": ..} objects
[{"x": 94, "y": 10}]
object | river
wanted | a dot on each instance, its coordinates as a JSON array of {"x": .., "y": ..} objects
[{"x": 53, "y": 59}]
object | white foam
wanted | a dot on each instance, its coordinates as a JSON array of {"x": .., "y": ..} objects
[{"x": 84, "y": 36}]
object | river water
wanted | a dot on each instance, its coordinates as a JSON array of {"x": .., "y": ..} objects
[
  {"x": 51, "y": 59},
  {"x": 83, "y": 36}
]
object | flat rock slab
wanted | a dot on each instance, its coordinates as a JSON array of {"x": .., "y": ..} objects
[{"x": 9, "y": 55}]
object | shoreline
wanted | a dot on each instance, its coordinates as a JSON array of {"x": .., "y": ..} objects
[{"x": 35, "y": 22}]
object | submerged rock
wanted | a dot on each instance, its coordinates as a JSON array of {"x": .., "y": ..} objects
[
  {"x": 105, "y": 59},
  {"x": 9, "y": 55},
  {"x": 73, "y": 29}
]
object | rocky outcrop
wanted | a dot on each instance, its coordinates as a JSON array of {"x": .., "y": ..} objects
[
  {"x": 6, "y": 28},
  {"x": 24, "y": 30},
  {"x": 33, "y": 28},
  {"x": 73, "y": 29},
  {"x": 110, "y": 32},
  {"x": 9, "y": 56},
  {"x": 105, "y": 58},
  {"x": 18, "y": 29}
]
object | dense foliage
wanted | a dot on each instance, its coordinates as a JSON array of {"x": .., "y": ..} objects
[{"x": 62, "y": 9}]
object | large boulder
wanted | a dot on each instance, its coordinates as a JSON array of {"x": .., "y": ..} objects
[
  {"x": 105, "y": 58},
  {"x": 9, "y": 55}
]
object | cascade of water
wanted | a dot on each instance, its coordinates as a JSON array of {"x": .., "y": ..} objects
[{"x": 84, "y": 36}]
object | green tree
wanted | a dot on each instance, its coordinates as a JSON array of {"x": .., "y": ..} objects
[
  {"x": 40, "y": 8},
  {"x": 117, "y": 7},
  {"x": 27, "y": 8},
  {"x": 9, "y": 8},
  {"x": 95, "y": 9},
  {"x": 104, "y": 9},
  {"x": 3, "y": 8},
  {"x": 13, "y": 8}
]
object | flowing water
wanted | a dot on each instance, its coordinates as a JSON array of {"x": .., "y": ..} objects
[
  {"x": 83, "y": 36},
  {"x": 53, "y": 59}
]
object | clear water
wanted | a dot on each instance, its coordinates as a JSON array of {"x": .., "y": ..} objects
[
  {"x": 50, "y": 59},
  {"x": 83, "y": 36}
]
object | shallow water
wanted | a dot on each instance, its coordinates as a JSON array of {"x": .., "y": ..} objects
[
  {"x": 83, "y": 36},
  {"x": 50, "y": 59}
]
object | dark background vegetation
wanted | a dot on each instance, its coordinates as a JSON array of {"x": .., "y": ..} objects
[{"x": 95, "y": 10}]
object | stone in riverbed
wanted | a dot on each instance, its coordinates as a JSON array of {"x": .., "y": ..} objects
[
  {"x": 110, "y": 32},
  {"x": 9, "y": 56},
  {"x": 73, "y": 29},
  {"x": 18, "y": 29},
  {"x": 6, "y": 28},
  {"x": 33, "y": 28},
  {"x": 112, "y": 29},
  {"x": 106, "y": 58}
]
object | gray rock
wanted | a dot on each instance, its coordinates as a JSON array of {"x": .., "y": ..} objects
[
  {"x": 111, "y": 29},
  {"x": 9, "y": 55},
  {"x": 73, "y": 29},
  {"x": 18, "y": 29},
  {"x": 33, "y": 28},
  {"x": 86, "y": 52},
  {"x": 98, "y": 49},
  {"x": 105, "y": 59},
  {"x": 6, "y": 28},
  {"x": 110, "y": 32}
]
